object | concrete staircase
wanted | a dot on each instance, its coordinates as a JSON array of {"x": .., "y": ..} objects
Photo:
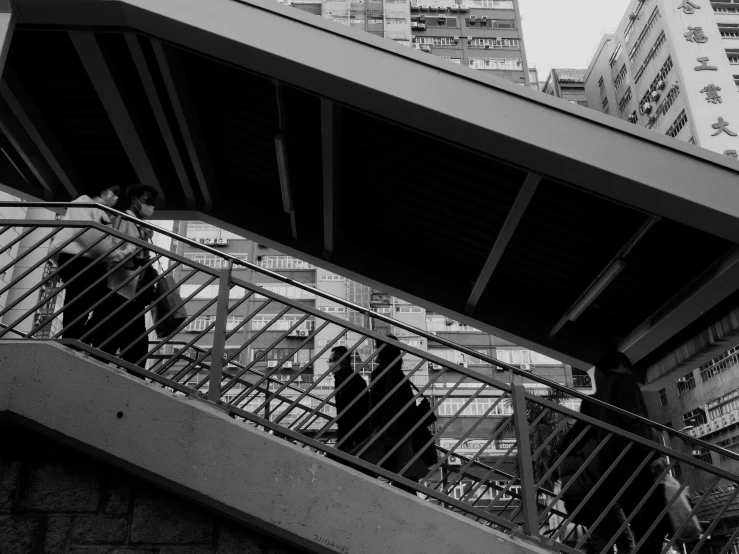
[{"x": 192, "y": 448}]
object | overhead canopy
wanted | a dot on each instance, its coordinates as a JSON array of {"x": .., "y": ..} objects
[{"x": 540, "y": 221}]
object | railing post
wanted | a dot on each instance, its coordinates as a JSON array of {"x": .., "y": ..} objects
[
  {"x": 525, "y": 463},
  {"x": 219, "y": 337}
]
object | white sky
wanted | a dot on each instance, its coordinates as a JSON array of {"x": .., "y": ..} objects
[{"x": 563, "y": 33}]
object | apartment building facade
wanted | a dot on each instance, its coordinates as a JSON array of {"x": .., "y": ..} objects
[
  {"x": 670, "y": 67},
  {"x": 568, "y": 84}
]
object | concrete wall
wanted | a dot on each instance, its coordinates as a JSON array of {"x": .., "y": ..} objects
[
  {"x": 56, "y": 500},
  {"x": 195, "y": 449}
]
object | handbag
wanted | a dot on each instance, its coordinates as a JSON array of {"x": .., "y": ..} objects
[
  {"x": 165, "y": 324},
  {"x": 679, "y": 512}
]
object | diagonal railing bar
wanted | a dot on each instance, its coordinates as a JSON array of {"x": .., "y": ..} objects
[
  {"x": 281, "y": 362},
  {"x": 712, "y": 526},
  {"x": 28, "y": 250},
  {"x": 315, "y": 358},
  {"x": 305, "y": 412},
  {"x": 689, "y": 517},
  {"x": 57, "y": 291},
  {"x": 471, "y": 461},
  {"x": 731, "y": 542},
  {"x": 261, "y": 331},
  {"x": 328, "y": 397},
  {"x": 38, "y": 264},
  {"x": 111, "y": 293},
  {"x": 633, "y": 513}
]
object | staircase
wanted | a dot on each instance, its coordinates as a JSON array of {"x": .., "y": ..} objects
[{"x": 232, "y": 433}]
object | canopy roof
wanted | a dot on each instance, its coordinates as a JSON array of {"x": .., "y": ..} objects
[{"x": 463, "y": 192}]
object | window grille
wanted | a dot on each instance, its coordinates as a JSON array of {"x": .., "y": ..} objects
[{"x": 676, "y": 127}]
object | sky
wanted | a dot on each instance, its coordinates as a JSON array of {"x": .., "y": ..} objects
[{"x": 564, "y": 33}]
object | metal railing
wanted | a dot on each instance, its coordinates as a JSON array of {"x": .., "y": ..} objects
[{"x": 485, "y": 448}]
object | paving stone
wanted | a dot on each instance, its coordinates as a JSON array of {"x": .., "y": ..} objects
[
  {"x": 19, "y": 533},
  {"x": 99, "y": 530},
  {"x": 237, "y": 540},
  {"x": 59, "y": 488},
  {"x": 57, "y": 534},
  {"x": 164, "y": 519}
]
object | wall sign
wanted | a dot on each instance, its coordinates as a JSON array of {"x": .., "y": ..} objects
[
  {"x": 704, "y": 67},
  {"x": 712, "y": 95},
  {"x": 695, "y": 34},
  {"x": 722, "y": 127},
  {"x": 731, "y": 154},
  {"x": 688, "y": 7}
]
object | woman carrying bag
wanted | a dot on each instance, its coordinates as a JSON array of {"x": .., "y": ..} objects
[{"x": 139, "y": 200}]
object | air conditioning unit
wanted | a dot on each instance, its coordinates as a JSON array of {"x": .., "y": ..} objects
[
  {"x": 652, "y": 118},
  {"x": 487, "y": 47},
  {"x": 421, "y": 26},
  {"x": 434, "y": 7},
  {"x": 272, "y": 363},
  {"x": 463, "y": 7},
  {"x": 414, "y": 5},
  {"x": 654, "y": 95},
  {"x": 456, "y": 39},
  {"x": 647, "y": 107},
  {"x": 661, "y": 85},
  {"x": 526, "y": 367},
  {"x": 287, "y": 365},
  {"x": 632, "y": 16},
  {"x": 632, "y": 118},
  {"x": 454, "y": 7},
  {"x": 426, "y": 48},
  {"x": 434, "y": 367},
  {"x": 469, "y": 39},
  {"x": 473, "y": 18},
  {"x": 222, "y": 242},
  {"x": 484, "y": 19},
  {"x": 209, "y": 241},
  {"x": 424, "y": 6},
  {"x": 414, "y": 24}
]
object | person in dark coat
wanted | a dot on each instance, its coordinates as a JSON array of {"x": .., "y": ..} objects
[
  {"x": 351, "y": 385},
  {"x": 387, "y": 406},
  {"x": 616, "y": 385}
]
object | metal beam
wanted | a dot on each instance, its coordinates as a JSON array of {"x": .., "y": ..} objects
[
  {"x": 330, "y": 156},
  {"x": 512, "y": 220},
  {"x": 147, "y": 80},
  {"x": 605, "y": 277},
  {"x": 177, "y": 87},
  {"x": 33, "y": 139},
  {"x": 711, "y": 287},
  {"x": 7, "y": 26},
  {"x": 288, "y": 199},
  {"x": 127, "y": 126}
]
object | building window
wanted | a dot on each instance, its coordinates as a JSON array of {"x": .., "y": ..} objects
[
  {"x": 491, "y": 63},
  {"x": 201, "y": 323},
  {"x": 677, "y": 126},
  {"x": 719, "y": 364},
  {"x": 491, "y": 23},
  {"x": 644, "y": 34},
  {"x": 665, "y": 105},
  {"x": 283, "y": 262},
  {"x": 723, "y": 405},
  {"x": 479, "y": 406},
  {"x": 323, "y": 342},
  {"x": 733, "y": 58},
  {"x": 332, "y": 309},
  {"x": 615, "y": 55},
  {"x": 332, "y": 277},
  {"x": 729, "y": 30},
  {"x": 604, "y": 104},
  {"x": 215, "y": 261},
  {"x": 208, "y": 292},
  {"x": 623, "y": 104},
  {"x": 288, "y": 291},
  {"x": 703, "y": 454},
  {"x": 408, "y": 309},
  {"x": 650, "y": 56},
  {"x": 495, "y": 4},
  {"x": 601, "y": 84},
  {"x": 736, "y": 81},
  {"x": 663, "y": 397},
  {"x": 495, "y": 43},
  {"x": 458, "y": 61},
  {"x": 695, "y": 417},
  {"x": 197, "y": 231},
  {"x": 620, "y": 78},
  {"x": 662, "y": 75},
  {"x": 686, "y": 383},
  {"x": 282, "y": 324},
  {"x": 732, "y": 443}
]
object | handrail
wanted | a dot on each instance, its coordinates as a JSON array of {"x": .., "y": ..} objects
[
  {"x": 512, "y": 492},
  {"x": 420, "y": 332}
]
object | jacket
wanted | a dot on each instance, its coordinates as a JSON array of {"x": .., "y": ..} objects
[
  {"x": 88, "y": 237},
  {"x": 119, "y": 276},
  {"x": 354, "y": 387},
  {"x": 380, "y": 388}
]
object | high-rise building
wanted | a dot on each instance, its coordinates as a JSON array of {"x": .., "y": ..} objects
[
  {"x": 481, "y": 34},
  {"x": 671, "y": 66},
  {"x": 568, "y": 84}
]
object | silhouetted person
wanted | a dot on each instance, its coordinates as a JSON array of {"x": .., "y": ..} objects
[{"x": 352, "y": 386}]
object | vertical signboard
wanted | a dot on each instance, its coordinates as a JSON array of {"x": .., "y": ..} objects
[{"x": 706, "y": 74}]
